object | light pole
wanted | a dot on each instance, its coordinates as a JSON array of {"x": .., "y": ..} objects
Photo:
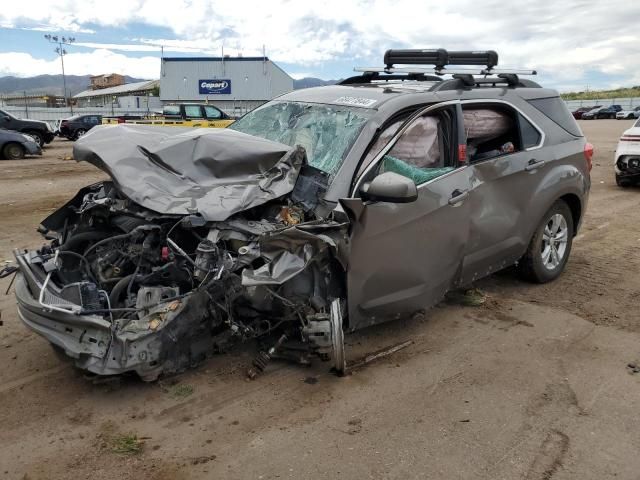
[{"x": 62, "y": 52}]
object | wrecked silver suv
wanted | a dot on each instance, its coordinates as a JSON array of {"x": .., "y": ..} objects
[{"x": 323, "y": 211}]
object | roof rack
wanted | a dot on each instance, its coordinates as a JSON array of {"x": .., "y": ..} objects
[
  {"x": 370, "y": 76},
  {"x": 440, "y": 59}
]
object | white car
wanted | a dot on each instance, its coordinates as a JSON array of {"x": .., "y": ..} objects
[
  {"x": 628, "y": 114},
  {"x": 627, "y": 157}
]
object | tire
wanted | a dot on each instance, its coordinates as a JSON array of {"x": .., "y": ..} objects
[
  {"x": 13, "y": 151},
  {"x": 539, "y": 264},
  {"x": 37, "y": 137},
  {"x": 79, "y": 133}
]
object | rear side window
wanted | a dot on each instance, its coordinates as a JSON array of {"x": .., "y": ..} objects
[
  {"x": 192, "y": 111},
  {"x": 530, "y": 136},
  {"x": 556, "y": 110},
  {"x": 212, "y": 112}
]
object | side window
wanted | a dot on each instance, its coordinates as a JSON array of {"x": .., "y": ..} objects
[
  {"x": 491, "y": 131},
  {"x": 425, "y": 149},
  {"x": 192, "y": 111},
  {"x": 212, "y": 112},
  {"x": 530, "y": 136}
]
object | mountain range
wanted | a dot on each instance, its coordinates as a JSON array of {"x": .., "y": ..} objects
[
  {"x": 308, "y": 82},
  {"x": 49, "y": 84},
  {"x": 52, "y": 84}
]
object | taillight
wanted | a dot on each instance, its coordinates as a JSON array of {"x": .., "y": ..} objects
[
  {"x": 588, "y": 155},
  {"x": 630, "y": 138}
]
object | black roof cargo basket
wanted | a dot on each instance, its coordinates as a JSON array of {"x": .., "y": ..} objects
[{"x": 441, "y": 61}]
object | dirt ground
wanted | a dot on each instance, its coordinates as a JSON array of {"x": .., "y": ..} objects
[{"x": 532, "y": 385}]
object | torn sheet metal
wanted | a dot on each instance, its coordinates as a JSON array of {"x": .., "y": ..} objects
[
  {"x": 173, "y": 171},
  {"x": 290, "y": 250}
]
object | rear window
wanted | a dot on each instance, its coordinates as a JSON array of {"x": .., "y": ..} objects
[{"x": 556, "y": 110}]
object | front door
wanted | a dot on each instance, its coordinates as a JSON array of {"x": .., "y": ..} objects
[{"x": 405, "y": 256}]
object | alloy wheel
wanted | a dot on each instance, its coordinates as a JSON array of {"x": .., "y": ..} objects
[{"x": 554, "y": 241}]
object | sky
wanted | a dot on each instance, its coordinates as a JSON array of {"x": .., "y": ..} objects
[{"x": 573, "y": 44}]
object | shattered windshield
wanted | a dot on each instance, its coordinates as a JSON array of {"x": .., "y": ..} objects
[{"x": 325, "y": 131}]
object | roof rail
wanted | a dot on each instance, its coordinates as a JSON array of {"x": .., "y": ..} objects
[{"x": 440, "y": 59}]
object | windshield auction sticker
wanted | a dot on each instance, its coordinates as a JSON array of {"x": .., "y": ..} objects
[{"x": 356, "y": 101}]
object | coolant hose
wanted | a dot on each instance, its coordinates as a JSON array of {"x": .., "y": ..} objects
[
  {"x": 120, "y": 287},
  {"x": 81, "y": 238}
]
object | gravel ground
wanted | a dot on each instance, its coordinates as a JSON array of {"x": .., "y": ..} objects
[{"x": 532, "y": 385}]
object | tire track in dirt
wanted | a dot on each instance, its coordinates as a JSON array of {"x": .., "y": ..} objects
[{"x": 550, "y": 456}]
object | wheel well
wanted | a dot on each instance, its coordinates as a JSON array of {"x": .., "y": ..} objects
[
  {"x": 4, "y": 145},
  {"x": 8, "y": 144},
  {"x": 576, "y": 209}
]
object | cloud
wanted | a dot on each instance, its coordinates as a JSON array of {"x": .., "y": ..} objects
[
  {"x": 298, "y": 76},
  {"x": 564, "y": 40},
  {"x": 97, "y": 62}
]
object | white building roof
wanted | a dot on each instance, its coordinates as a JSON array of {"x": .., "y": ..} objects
[{"x": 119, "y": 90}]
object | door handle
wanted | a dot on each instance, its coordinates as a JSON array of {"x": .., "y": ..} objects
[
  {"x": 533, "y": 164},
  {"x": 457, "y": 196}
]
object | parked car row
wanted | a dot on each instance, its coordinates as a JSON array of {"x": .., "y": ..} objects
[
  {"x": 602, "y": 112},
  {"x": 597, "y": 112}
]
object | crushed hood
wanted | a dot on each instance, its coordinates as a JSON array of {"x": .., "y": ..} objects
[{"x": 172, "y": 170}]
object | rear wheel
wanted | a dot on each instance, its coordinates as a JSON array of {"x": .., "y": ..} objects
[
  {"x": 37, "y": 137},
  {"x": 550, "y": 246},
  {"x": 79, "y": 133},
  {"x": 13, "y": 151}
]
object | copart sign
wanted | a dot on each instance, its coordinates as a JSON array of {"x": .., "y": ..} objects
[{"x": 214, "y": 87}]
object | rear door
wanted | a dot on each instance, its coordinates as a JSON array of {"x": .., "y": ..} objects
[
  {"x": 404, "y": 257},
  {"x": 504, "y": 152}
]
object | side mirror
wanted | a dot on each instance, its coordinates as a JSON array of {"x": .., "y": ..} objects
[
  {"x": 6, "y": 119},
  {"x": 390, "y": 187}
]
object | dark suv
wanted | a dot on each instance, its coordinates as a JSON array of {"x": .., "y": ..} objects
[
  {"x": 40, "y": 131},
  {"x": 74, "y": 127},
  {"x": 325, "y": 210},
  {"x": 602, "y": 112}
]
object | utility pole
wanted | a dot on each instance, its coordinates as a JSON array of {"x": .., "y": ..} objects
[{"x": 62, "y": 52}]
